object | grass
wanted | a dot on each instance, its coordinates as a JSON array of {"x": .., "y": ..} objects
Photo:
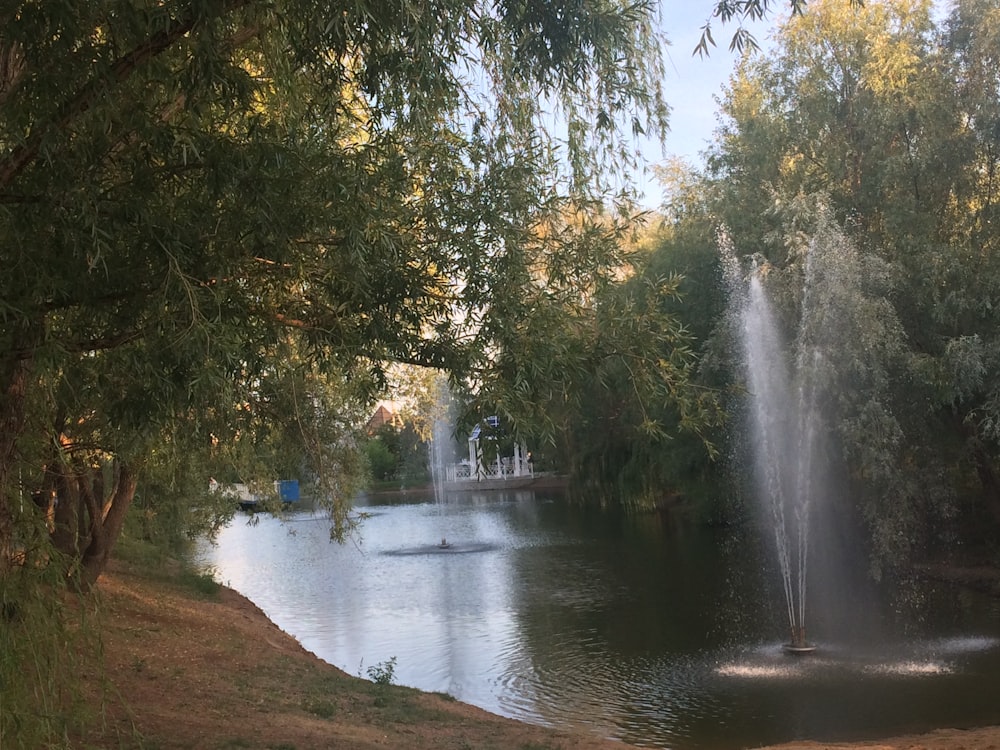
[
  {"x": 141, "y": 554},
  {"x": 324, "y": 709},
  {"x": 49, "y": 638},
  {"x": 383, "y": 673},
  {"x": 202, "y": 584}
]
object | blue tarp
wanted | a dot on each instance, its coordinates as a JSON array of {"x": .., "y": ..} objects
[{"x": 288, "y": 490}]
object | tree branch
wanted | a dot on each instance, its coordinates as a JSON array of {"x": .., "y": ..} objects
[
  {"x": 11, "y": 68},
  {"x": 20, "y": 157}
]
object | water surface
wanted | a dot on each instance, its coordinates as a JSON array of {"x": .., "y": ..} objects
[{"x": 639, "y": 628}]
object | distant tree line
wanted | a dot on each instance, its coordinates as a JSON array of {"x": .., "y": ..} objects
[{"x": 878, "y": 126}]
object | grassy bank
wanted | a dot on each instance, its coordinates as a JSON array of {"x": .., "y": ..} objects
[{"x": 191, "y": 664}]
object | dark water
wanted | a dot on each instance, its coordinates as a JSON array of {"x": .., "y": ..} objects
[{"x": 637, "y": 628}]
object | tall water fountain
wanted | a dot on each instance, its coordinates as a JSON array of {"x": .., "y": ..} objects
[{"x": 788, "y": 371}]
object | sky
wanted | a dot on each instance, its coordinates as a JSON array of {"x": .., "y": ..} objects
[{"x": 692, "y": 83}]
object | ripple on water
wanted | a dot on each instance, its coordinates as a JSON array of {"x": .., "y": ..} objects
[
  {"x": 651, "y": 698},
  {"x": 457, "y": 548}
]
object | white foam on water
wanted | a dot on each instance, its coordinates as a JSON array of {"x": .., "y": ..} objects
[
  {"x": 910, "y": 668},
  {"x": 966, "y": 644},
  {"x": 757, "y": 671}
]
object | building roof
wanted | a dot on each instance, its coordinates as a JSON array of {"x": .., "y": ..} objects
[{"x": 382, "y": 416}]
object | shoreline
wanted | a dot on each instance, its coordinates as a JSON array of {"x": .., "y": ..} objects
[
  {"x": 536, "y": 482},
  {"x": 182, "y": 668},
  {"x": 189, "y": 669}
]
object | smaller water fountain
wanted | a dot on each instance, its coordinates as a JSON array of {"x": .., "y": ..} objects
[
  {"x": 444, "y": 547},
  {"x": 441, "y": 453},
  {"x": 441, "y": 450}
]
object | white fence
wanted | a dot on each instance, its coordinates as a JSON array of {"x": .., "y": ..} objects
[{"x": 502, "y": 468}]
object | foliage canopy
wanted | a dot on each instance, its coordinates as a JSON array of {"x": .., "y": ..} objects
[
  {"x": 890, "y": 122},
  {"x": 219, "y": 219}
]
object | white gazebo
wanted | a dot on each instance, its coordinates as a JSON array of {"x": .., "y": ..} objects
[{"x": 503, "y": 467}]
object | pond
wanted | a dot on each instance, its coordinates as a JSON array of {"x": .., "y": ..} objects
[{"x": 636, "y": 627}]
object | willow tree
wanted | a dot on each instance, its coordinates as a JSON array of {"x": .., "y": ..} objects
[
  {"x": 892, "y": 121},
  {"x": 222, "y": 216},
  {"x": 608, "y": 370}
]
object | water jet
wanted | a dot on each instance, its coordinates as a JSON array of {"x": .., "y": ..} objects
[{"x": 789, "y": 373}]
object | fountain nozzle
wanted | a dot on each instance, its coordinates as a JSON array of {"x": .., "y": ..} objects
[{"x": 799, "y": 644}]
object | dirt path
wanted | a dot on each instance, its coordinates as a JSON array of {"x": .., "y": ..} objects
[{"x": 190, "y": 670}]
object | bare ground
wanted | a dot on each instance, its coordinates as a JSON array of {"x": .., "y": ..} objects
[{"x": 184, "y": 669}]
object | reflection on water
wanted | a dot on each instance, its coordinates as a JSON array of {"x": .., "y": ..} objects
[{"x": 629, "y": 627}]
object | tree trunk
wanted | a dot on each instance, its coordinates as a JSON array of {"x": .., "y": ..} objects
[
  {"x": 988, "y": 478},
  {"x": 986, "y": 467},
  {"x": 106, "y": 521},
  {"x": 66, "y": 514},
  {"x": 15, "y": 372}
]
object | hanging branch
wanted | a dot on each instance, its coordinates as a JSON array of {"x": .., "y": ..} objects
[{"x": 20, "y": 157}]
